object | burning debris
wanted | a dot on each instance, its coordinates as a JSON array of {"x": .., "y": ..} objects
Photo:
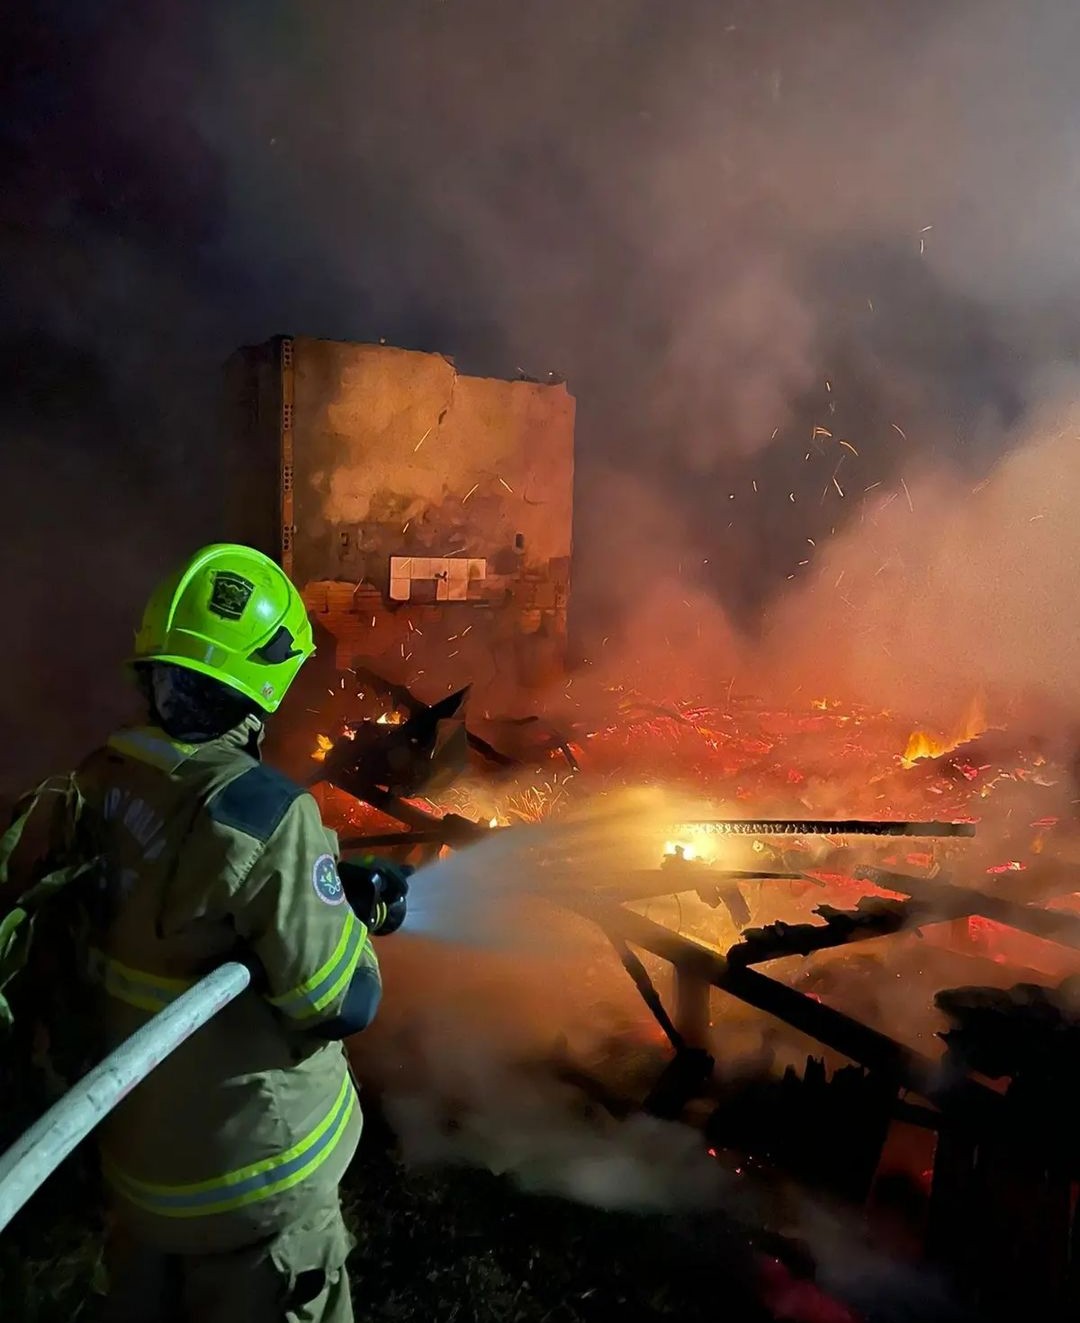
[
  {"x": 405, "y": 756},
  {"x": 922, "y": 744},
  {"x": 873, "y": 917},
  {"x": 1027, "y": 1033},
  {"x": 733, "y": 894}
]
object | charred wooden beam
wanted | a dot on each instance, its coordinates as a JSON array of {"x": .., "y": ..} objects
[
  {"x": 687, "y": 1075},
  {"x": 640, "y": 977},
  {"x": 1025, "y": 1032},
  {"x": 458, "y": 832},
  {"x": 825, "y": 1128},
  {"x": 850, "y": 1038},
  {"x": 490, "y": 752},
  {"x": 874, "y": 917},
  {"x": 555, "y": 743},
  {"x": 825, "y": 827},
  {"x": 451, "y": 829},
  {"x": 949, "y": 902},
  {"x": 692, "y": 997}
]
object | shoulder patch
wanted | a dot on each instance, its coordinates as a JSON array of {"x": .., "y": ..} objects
[
  {"x": 255, "y": 802},
  {"x": 325, "y": 880}
]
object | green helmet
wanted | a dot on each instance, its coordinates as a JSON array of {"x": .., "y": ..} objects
[{"x": 230, "y": 613}]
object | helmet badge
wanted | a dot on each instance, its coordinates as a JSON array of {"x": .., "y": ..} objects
[{"x": 230, "y": 595}]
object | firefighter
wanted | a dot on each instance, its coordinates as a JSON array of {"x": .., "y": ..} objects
[{"x": 223, "y": 1165}]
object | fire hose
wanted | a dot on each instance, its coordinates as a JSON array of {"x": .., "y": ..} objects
[
  {"x": 376, "y": 887},
  {"x": 52, "y": 1138}
]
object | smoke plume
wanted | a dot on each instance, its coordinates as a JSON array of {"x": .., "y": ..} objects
[{"x": 745, "y": 233}]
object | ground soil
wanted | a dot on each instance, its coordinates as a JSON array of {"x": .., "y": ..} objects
[{"x": 446, "y": 1246}]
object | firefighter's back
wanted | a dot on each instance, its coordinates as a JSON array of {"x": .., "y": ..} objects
[{"x": 242, "y": 1126}]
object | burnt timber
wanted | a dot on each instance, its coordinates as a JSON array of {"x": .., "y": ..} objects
[
  {"x": 950, "y": 902},
  {"x": 1000, "y": 1218},
  {"x": 828, "y": 827}
]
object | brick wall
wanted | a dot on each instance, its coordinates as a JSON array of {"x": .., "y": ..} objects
[{"x": 401, "y": 462}]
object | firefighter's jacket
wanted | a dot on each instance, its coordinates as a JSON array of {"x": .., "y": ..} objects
[{"x": 211, "y": 856}]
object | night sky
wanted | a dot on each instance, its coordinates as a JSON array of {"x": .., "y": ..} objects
[{"x": 726, "y": 224}]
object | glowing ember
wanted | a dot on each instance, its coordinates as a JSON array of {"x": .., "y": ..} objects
[
  {"x": 677, "y": 850},
  {"x": 323, "y": 745}
]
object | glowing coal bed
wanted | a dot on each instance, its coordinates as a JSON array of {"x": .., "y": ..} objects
[{"x": 824, "y": 761}]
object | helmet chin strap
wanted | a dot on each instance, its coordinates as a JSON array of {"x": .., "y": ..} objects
[{"x": 255, "y": 739}]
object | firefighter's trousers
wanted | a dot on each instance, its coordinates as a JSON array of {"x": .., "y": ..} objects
[{"x": 298, "y": 1276}]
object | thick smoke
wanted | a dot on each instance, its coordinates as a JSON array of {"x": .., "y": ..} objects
[
  {"x": 787, "y": 259},
  {"x": 728, "y": 226},
  {"x": 949, "y": 588}
]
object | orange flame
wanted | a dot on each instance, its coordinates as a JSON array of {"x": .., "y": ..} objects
[
  {"x": 922, "y": 744},
  {"x": 323, "y": 744}
]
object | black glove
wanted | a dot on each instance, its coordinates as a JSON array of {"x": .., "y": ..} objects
[{"x": 377, "y": 890}]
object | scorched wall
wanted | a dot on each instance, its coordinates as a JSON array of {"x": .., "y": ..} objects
[{"x": 425, "y": 515}]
